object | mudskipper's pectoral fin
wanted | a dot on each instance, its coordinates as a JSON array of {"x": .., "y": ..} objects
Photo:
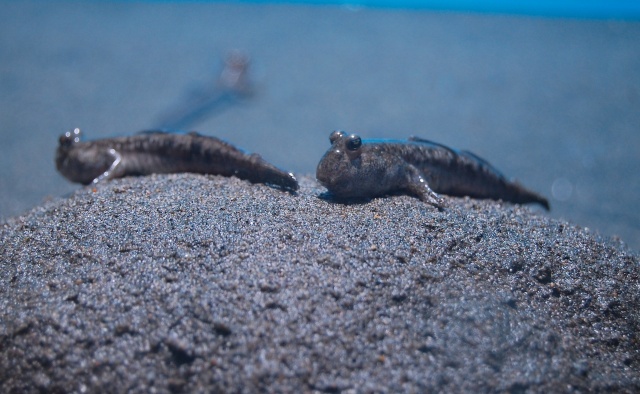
[
  {"x": 115, "y": 170},
  {"x": 417, "y": 185}
]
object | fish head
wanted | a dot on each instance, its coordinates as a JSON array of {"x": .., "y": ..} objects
[
  {"x": 66, "y": 144},
  {"x": 346, "y": 169},
  {"x": 79, "y": 161},
  {"x": 71, "y": 137}
]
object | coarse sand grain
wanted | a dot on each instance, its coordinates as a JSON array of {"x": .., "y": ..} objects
[{"x": 189, "y": 283}]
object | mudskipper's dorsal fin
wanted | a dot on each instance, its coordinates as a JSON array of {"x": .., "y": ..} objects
[
  {"x": 162, "y": 131},
  {"x": 413, "y": 138}
]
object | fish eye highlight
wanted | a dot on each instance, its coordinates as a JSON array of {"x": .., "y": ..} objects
[
  {"x": 354, "y": 142},
  {"x": 336, "y": 135}
]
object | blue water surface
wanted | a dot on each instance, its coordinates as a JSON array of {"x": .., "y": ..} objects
[{"x": 598, "y": 9}]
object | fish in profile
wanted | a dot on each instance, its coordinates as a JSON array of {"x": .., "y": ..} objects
[
  {"x": 158, "y": 152},
  {"x": 354, "y": 168}
]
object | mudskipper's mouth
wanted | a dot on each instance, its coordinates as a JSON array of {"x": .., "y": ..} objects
[{"x": 323, "y": 181}]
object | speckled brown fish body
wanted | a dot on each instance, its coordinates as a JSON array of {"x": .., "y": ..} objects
[
  {"x": 159, "y": 152},
  {"x": 353, "y": 168}
]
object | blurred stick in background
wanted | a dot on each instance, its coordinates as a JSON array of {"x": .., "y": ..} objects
[{"x": 232, "y": 85}]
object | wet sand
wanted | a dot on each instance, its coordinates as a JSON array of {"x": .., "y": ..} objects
[{"x": 188, "y": 283}]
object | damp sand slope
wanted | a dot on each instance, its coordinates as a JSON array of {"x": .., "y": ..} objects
[{"x": 186, "y": 283}]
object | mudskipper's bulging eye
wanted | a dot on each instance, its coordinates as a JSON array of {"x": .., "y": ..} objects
[
  {"x": 70, "y": 137},
  {"x": 65, "y": 140},
  {"x": 336, "y": 135},
  {"x": 354, "y": 142}
]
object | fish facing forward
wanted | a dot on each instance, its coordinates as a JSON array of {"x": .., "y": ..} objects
[
  {"x": 157, "y": 152},
  {"x": 354, "y": 168}
]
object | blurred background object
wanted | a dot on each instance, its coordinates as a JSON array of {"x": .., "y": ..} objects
[
  {"x": 552, "y": 101},
  {"x": 232, "y": 85}
]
